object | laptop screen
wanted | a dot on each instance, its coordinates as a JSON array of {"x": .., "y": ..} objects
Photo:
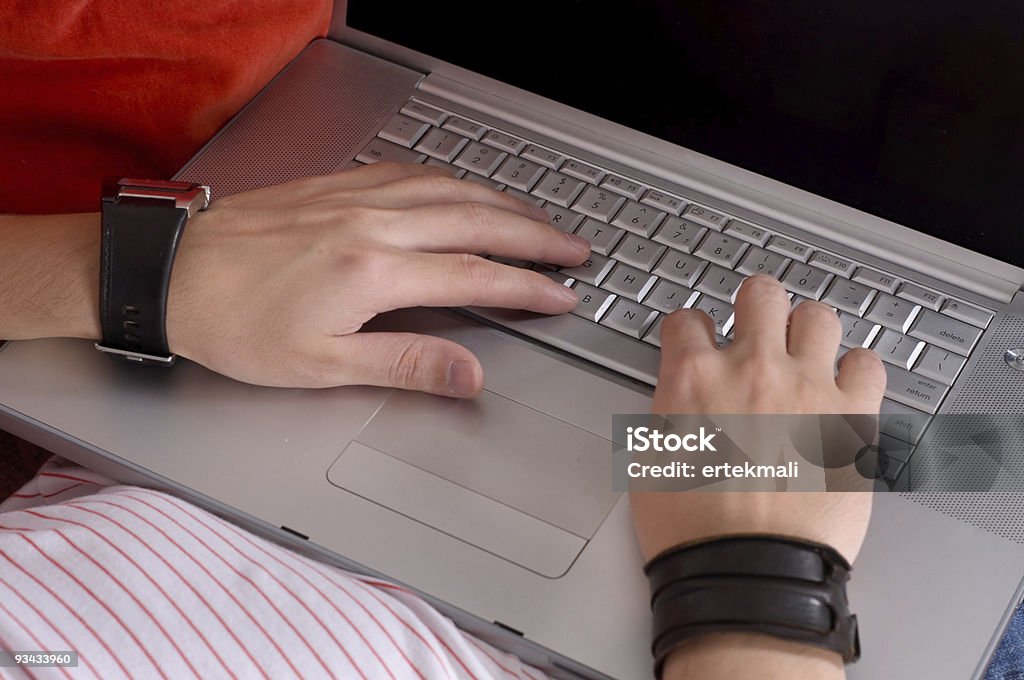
[{"x": 912, "y": 111}]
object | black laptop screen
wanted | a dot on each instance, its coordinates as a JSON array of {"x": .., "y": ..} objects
[{"x": 913, "y": 110}]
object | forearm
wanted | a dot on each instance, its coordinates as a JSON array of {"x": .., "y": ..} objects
[
  {"x": 737, "y": 655},
  {"x": 49, "y": 276}
]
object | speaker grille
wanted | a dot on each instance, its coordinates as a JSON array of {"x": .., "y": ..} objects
[
  {"x": 306, "y": 124},
  {"x": 993, "y": 388}
]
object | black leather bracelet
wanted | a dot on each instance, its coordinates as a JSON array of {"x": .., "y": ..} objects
[
  {"x": 142, "y": 224},
  {"x": 772, "y": 585}
]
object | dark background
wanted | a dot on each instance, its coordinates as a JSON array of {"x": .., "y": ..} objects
[{"x": 910, "y": 110}]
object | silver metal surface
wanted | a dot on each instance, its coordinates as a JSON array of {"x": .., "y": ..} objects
[{"x": 136, "y": 356}]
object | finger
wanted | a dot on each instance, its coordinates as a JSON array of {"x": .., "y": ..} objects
[
  {"x": 376, "y": 174},
  {"x": 430, "y": 280},
  {"x": 684, "y": 332},
  {"x": 433, "y": 189},
  {"x": 482, "y": 229},
  {"x": 814, "y": 332},
  {"x": 762, "y": 312},
  {"x": 862, "y": 377},
  {"x": 407, "y": 361}
]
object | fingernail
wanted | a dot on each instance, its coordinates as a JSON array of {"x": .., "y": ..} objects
[
  {"x": 539, "y": 213},
  {"x": 461, "y": 379},
  {"x": 569, "y": 295},
  {"x": 578, "y": 242}
]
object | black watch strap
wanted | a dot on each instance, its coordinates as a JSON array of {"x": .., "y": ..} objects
[{"x": 142, "y": 224}]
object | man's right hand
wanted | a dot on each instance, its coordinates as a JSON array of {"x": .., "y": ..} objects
[{"x": 270, "y": 286}]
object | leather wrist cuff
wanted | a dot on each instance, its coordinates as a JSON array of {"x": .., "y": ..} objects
[{"x": 773, "y": 585}]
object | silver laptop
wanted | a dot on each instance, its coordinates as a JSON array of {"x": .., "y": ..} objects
[{"x": 864, "y": 156}]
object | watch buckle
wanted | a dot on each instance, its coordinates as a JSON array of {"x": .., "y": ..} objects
[{"x": 136, "y": 357}]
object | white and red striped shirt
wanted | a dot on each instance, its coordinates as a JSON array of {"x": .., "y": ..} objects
[{"x": 142, "y": 584}]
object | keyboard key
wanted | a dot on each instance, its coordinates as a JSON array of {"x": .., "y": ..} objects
[
  {"x": 629, "y": 282},
  {"x": 403, "y": 130},
  {"x": 965, "y": 312},
  {"x": 557, "y": 277},
  {"x": 503, "y": 141},
  {"x": 720, "y": 312},
  {"x": 680, "y": 267},
  {"x": 720, "y": 283},
  {"x": 721, "y": 249},
  {"x": 482, "y": 181},
  {"x": 876, "y": 279},
  {"x": 747, "y": 232},
  {"x": 806, "y": 280},
  {"x": 857, "y": 332},
  {"x": 913, "y": 390},
  {"x": 668, "y": 297},
  {"x": 382, "y": 150},
  {"x": 583, "y": 171},
  {"x": 939, "y": 364},
  {"x": 898, "y": 349},
  {"x": 592, "y": 271},
  {"x": 599, "y": 203},
  {"x": 629, "y": 318},
  {"x": 928, "y": 299},
  {"x": 546, "y": 157},
  {"x": 850, "y": 296},
  {"x": 593, "y": 302},
  {"x": 424, "y": 112},
  {"x": 442, "y": 144},
  {"x": 653, "y": 335},
  {"x": 626, "y": 187},
  {"x": 680, "y": 234},
  {"x": 522, "y": 195},
  {"x": 452, "y": 170},
  {"x": 901, "y": 422},
  {"x": 518, "y": 173},
  {"x": 639, "y": 252},
  {"x": 760, "y": 261},
  {"x": 939, "y": 329},
  {"x": 603, "y": 238},
  {"x": 558, "y": 188},
  {"x": 705, "y": 216},
  {"x": 639, "y": 218},
  {"x": 662, "y": 201},
  {"x": 464, "y": 127},
  {"x": 789, "y": 248},
  {"x": 563, "y": 218},
  {"x": 480, "y": 158},
  {"x": 832, "y": 263},
  {"x": 892, "y": 312}
]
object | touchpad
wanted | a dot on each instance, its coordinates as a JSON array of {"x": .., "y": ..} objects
[{"x": 490, "y": 471}]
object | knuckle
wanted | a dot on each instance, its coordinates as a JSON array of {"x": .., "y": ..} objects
[
  {"x": 477, "y": 272},
  {"x": 410, "y": 365},
  {"x": 477, "y": 215},
  {"x": 442, "y": 185}
]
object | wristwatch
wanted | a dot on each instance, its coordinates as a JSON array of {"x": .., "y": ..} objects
[{"x": 142, "y": 224}]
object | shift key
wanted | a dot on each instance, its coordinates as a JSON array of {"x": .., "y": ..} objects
[
  {"x": 913, "y": 390},
  {"x": 947, "y": 333}
]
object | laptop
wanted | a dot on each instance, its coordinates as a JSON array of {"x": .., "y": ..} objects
[{"x": 866, "y": 156}]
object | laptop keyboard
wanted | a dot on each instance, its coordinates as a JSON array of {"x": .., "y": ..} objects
[{"x": 655, "y": 252}]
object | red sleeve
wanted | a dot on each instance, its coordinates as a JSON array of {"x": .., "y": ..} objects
[{"x": 106, "y": 87}]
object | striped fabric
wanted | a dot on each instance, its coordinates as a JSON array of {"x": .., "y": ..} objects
[{"x": 144, "y": 585}]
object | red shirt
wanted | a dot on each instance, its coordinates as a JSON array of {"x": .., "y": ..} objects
[{"x": 105, "y": 87}]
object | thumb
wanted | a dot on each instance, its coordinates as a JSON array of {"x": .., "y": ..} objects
[{"x": 407, "y": 361}]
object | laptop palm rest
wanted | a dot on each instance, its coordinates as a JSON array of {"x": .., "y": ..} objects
[{"x": 492, "y": 472}]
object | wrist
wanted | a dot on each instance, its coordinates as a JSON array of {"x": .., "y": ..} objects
[
  {"x": 50, "y": 283},
  {"x": 733, "y": 655}
]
